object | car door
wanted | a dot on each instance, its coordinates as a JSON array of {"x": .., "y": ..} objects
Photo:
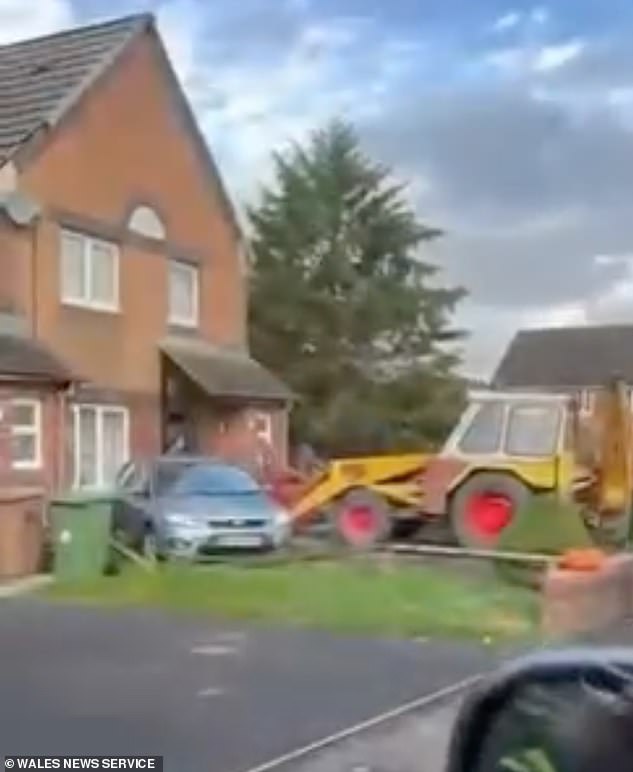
[{"x": 132, "y": 511}]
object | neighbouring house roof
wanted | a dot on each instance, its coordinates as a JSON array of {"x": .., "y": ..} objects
[
  {"x": 25, "y": 357},
  {"x": 567, "y": 357},
  {"x": 223, "y": 373},
  {"x": 42, "y": 79}
]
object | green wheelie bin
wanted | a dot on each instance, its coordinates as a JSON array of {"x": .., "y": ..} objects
[{"x": 81, "y": 529}]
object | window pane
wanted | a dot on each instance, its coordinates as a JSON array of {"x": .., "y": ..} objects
[
  {"x": 24, "y": 415},
  {"x": 87, "y": 451},
  {"x": 73, "y": 267},
  {"x": 113, "y": 451},
  {"x": 484, "y": 433},
  {"x": 532, "y": 430},
  {"x": 183, "y": 287},
  {"x": 24, "y": 448},
  {"x": 103, "y": 287}
]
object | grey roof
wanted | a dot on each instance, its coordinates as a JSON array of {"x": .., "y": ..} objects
[
  {"x": 22, "y": 356},
  {"x": 223, "y": 373},
  {"x": 40, "y": 79},
  {"x": 567, "y": 357}
]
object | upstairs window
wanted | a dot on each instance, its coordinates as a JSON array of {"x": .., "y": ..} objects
[
  {"x": 183, "y": 294},
  {"x": 146, "y": 222},
  {"x": 89, "y": 272}
]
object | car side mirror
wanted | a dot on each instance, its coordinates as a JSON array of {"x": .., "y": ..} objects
[{"x": 560, "y": 711}]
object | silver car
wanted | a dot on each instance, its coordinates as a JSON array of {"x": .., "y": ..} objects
[{"x": 192, "y": 508}]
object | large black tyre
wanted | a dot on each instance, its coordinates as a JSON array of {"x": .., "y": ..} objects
[
  {"x": 483, "y": 506},
  {"x": 361, "y": 519}
]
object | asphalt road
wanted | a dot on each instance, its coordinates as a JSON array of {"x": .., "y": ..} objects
[{"x": 212, "y": 697}]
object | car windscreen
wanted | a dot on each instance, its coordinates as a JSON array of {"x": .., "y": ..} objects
[
  {"x": 213, "y": 480},
  {"x": 167, "y": 471}
]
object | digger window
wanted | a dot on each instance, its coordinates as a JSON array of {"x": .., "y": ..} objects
[
  {"x": 484, "y": 433},
  {"x": 532, "y": 430}
]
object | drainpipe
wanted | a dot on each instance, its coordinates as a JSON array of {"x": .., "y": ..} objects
[{"x": 60, "y": 443}]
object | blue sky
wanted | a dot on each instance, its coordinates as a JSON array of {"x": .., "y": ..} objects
[{"x": 512, "y": 122}]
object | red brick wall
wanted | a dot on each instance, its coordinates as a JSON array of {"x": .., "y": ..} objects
[
  {"x": 145, "y": 426},
  {"x": 16, "y": 247}
]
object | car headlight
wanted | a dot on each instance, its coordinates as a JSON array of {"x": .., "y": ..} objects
[
  {"x": 181, "y": 521},
  {"x": 282, "y": 518}
]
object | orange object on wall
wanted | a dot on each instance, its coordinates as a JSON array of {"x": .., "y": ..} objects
[{"x": 590, "y": 559}]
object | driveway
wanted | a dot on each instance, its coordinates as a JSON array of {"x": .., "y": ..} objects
[{"x": 207, "y": 696}]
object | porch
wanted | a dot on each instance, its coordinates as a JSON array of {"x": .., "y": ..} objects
[{"x": 221, "y": 402}]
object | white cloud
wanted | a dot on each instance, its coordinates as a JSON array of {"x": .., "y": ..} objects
[
  {"x": 552, "y": 57},
  {"x": 540, "y": 15},
  {"x": 21, "y": 19},
  {"x": 506, "y": 22},
  {"x": 525, "y": 59},
  {"x": 508, "y": 61},
  {"x": 610, "y": 259},
  {"x": 564, "y": 315}
]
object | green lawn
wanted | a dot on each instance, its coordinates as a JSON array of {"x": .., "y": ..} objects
[{"x": 357, "y": 595}]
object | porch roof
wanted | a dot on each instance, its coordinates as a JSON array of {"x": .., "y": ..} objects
[
  {"x": 22, "y": 357},
  {"x": 224, "y": 373}
]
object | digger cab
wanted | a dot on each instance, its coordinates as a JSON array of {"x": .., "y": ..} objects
[
  {"x": 506, "y": 447},
  {"x": 509, "y": 425}
]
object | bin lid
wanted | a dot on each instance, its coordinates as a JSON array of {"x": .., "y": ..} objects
[{"x": 83, "y": 497}]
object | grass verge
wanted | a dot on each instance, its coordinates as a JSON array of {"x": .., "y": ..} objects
[{"x": 359, "y": 595}]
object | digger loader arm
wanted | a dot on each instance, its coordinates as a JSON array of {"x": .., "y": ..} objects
[
  {"x": 391, "y": 474},
  {"x": 612, "y": 414}
]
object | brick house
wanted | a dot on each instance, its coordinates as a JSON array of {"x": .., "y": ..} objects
[
  {"x": 573, "y": 360},
  {"x": 123, "y": 289}
]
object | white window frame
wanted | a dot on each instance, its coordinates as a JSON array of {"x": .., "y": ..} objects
[
  {"x": 194, "y": 271},
  {"x": 88, "y": 244},
  {"x": 265, "y": 433},
  {"x": 22, "y": 430},
  {"x": 586, "y": 399},
  {"x": 99, "y": 409}
]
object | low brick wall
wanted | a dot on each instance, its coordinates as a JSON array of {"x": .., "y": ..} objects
[{"x": 575, "y": 602}]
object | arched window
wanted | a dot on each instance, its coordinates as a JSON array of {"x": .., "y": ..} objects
[{"x": 146, "y": 222}]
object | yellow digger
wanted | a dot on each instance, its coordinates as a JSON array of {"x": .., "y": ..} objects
[{"x": 506, "y": 448}]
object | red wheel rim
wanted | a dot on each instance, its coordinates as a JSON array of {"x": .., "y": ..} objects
[
  {"x": 487, "y": 514},
  {"x": 359, "y": 523}
]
